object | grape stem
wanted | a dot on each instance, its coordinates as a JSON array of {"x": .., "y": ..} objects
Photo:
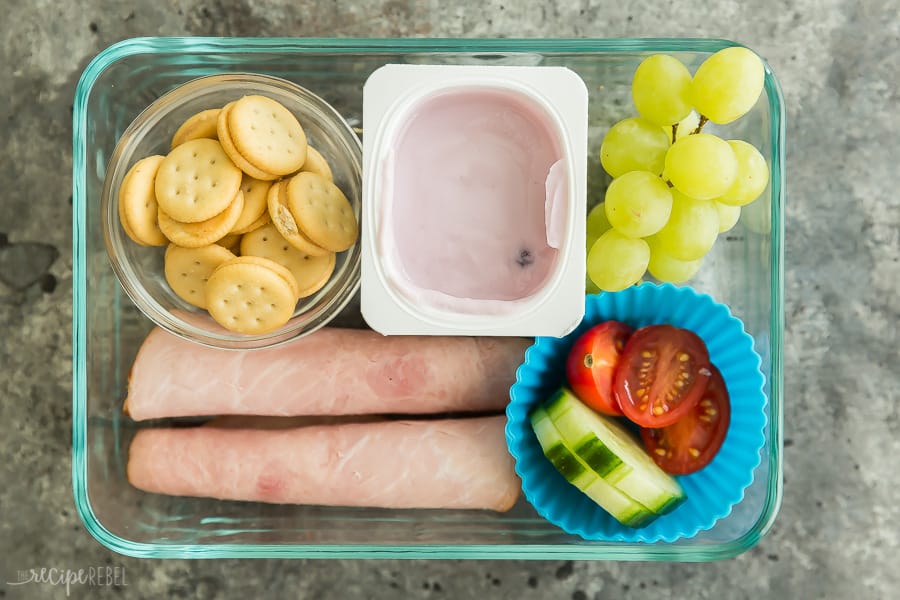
[
  {"x": 674, "y": 132},
  {"x": 703, "y": 121}
]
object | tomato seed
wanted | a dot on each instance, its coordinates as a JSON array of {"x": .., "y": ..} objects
[
  {"x": 694, "y": 452},
  {"x": 683, "y": 356}
]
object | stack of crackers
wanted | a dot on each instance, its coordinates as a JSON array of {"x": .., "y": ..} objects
[{"x": 249, "y": 211}]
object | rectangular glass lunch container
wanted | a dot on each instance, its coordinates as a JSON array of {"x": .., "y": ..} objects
[{"x": 744, "y": 270}]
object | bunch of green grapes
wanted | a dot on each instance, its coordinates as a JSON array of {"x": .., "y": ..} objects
[{"x": 675, "y": 188}]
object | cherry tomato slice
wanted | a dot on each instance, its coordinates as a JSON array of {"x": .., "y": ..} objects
[
  {"x": 692, "y": 442},
  {"x": 661, "y": 375},
  {"x": 592, "y": 363}
]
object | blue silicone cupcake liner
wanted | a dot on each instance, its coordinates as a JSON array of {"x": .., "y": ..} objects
[{"x": 711, "y": 492}]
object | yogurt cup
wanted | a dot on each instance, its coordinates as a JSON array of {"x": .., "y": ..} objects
[{"x": 474, "y": 200}]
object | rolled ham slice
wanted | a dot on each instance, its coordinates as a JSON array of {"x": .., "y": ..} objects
[
  {"x": 449, "y": 463},
  {"x": 330, "y": 372}
]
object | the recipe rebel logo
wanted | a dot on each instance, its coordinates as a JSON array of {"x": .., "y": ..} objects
[{"x": 103, "y": 576}]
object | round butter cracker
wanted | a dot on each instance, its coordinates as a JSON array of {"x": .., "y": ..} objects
[
  {"x": 267, "y": 134},
  {"x": 316, "y": 163},
  {"x": 322, "y": 211},
  {"x": 138, "y": 204},
  {"x": 262, "y": 220},
  {"x": 188, "y": 269},
  {"x": 122, "y": 220},
  {"x": 194, "y": 235},
  {"x": 255, "y": 213},
  {"x": 286, "y": 225},
  {"x": 310, "y": 272},
  {"x": 200, "y": 125},
  {"x": 250, "y": 297},
  {"x": 279, "y": 269},
  {"x": 196, "y": 181},
  {"x": 236, "y": 157},
  {"x": 232, "y": 242}
]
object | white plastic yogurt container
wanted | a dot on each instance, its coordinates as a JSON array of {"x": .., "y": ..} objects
[{"x": 474, "y": 200}]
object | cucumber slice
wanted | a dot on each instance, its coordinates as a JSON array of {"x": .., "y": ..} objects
[
  {"x": 579, "y": 474},
  {"x": 614, "y": 452}
]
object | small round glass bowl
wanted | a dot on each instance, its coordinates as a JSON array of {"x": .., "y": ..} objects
[
  {"x": 712, "y": 491},
  {"x": 140, "y": 269}
]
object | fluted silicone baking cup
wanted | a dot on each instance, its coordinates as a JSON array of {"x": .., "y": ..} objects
[{"x": 711, "y": 492}]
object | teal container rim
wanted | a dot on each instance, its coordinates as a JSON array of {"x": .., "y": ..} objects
[{"x": 611, "y": 551}]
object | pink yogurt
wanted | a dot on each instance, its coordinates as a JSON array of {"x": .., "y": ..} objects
[{"x": 475, "y": 200}]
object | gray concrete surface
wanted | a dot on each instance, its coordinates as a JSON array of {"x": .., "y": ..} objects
[{"x": 837, "y": 534}]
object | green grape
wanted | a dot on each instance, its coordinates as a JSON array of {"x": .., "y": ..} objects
[
  {"x": 638, "y": 204},
  {"x": 692, "y": 228},
  {"x": 728, "y": 215},
  {"x": 701, "y": 166},
  {"x": 616, "y": 262},
  {"x": 685, "y": 126},
  {"x": 597, "y": 224},
  {"x": 634, "y": 144},
  {"x": 661, "y": 89},
  {"x": 668, "y": 268},
  {"x": 727, "y": 84},
  {"x": 752, "y": 175}
]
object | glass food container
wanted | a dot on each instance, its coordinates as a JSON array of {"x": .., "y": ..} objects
[{"x": 744, "y": 270}]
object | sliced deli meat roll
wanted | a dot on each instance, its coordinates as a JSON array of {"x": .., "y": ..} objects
[
  {"x": 448, "y": 463},
  {"x": 330, "y": 372}
]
